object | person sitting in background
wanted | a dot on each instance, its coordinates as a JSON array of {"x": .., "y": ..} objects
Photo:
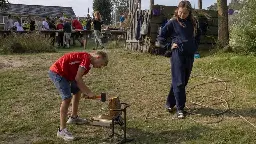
[
  {"x": 9, "y": 23},
  {"x": 18, "y": 25},
  {"x": 78, "y": 28},
  {"x": 45, "y": 24}
]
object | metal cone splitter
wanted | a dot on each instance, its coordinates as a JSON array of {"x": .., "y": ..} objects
[{"x": 116, "y": 109}]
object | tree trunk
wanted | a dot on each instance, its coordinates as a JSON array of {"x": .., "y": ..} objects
[
  {"x": 200, "y": 4},
  {"x": 223, "y": 32},
  {"x": 151, "y": 4}
]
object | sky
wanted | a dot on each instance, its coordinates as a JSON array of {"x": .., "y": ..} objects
[{"x": 80, "y": 7}]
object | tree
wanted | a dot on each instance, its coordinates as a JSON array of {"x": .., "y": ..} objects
[
  {"x": 121, "y": 7},
  {"x": 105, "y": 9},
  {"x": 223, "y": 31},
  {"x": 243, "y": 31},
  {"x": 213, "y": 7},
  {"x": 235, "y": 4}
]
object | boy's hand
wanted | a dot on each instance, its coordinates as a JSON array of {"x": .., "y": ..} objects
[{"x": 91, "y": 95}]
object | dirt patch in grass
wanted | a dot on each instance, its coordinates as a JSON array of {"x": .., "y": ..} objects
[{"x": 12, "y": 62}]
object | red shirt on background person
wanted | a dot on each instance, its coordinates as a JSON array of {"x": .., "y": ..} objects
[
  {"x": 60, "y": 26},
  {"x": 76, "y": 24}
]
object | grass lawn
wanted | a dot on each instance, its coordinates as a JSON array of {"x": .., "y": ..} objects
[{"x": 222, "y": 87}]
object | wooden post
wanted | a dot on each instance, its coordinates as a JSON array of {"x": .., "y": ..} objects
[
  {"x": 223, "y": 33},
  {"x": 199, "y": 4},
  {"x": 152, "y": 2}
]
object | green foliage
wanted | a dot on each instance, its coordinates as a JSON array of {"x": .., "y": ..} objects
[
  {"x": 121, "y": 6},
  {"x": 243, "y": 31},
  {"x": 235, "y": 4},
  {"x": 25, "y": 43},
  {"x": 213, "y": 7},
  {"x": 105, "y": 9}
]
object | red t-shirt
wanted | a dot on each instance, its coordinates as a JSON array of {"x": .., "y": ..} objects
[
  {"x": 76, "y": 24},
  {"x": 60, "y": 26},
  {"x": 67, "y": 65}
]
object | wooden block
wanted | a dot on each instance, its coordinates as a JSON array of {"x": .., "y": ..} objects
[{"x": 101, "y": 122}]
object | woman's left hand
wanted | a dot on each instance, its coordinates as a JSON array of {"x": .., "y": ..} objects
[{"x": 174, "y": 46}]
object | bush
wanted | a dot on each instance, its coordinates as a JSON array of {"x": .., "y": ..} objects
[
  {"x": 243, "y": 31},
  {"x": 25, "y": 43}
]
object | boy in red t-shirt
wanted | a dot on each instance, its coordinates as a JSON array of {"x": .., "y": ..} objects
[{"x": 66, "y": 74}]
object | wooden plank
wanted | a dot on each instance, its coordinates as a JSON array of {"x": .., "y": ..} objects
[{"x": 132, "y": 41}]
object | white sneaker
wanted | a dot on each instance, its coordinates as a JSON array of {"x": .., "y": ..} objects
[
  {"x": 64, "y": 134},
  {"x": 76, "y": 120}
]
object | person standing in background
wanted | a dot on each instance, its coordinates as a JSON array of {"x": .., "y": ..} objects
[
  {"x": 67, "y": 29},
  {"x": 97, "y": 24}
]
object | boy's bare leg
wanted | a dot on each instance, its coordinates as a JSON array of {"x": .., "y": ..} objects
[
  {"x": 74, "y": 119},
  {"x": 75, "y": 103},
  {"x": 64, "y": 112}
]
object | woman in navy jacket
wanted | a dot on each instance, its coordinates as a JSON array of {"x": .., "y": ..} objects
[{"x": 184, "y": 34}]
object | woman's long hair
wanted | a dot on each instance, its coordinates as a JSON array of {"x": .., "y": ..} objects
[{"x": 186, "y": 5}]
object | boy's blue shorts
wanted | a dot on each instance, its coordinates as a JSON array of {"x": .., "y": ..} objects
[{"x": 64, "y": 86}]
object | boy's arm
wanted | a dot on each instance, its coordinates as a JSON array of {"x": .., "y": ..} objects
[{"x": 80, "y": 83}]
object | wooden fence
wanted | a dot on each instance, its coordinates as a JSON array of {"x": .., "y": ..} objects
[{"x": 145, "y": 43}]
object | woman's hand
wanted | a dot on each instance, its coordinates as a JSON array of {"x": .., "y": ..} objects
[{"x": 174, "y": 46}]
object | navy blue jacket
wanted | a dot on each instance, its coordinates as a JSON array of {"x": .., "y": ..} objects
[{"x": 184, "y": 37}]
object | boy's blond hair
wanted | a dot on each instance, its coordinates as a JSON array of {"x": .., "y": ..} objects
[{"x": 104, "y": 56}]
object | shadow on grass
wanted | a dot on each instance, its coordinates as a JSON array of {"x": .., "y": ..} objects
[
  {"x": 169, "y": 136},
  {"x": 248, "y": 112}
]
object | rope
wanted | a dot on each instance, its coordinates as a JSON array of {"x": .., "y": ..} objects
[{"x": 224, "y": 102}]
